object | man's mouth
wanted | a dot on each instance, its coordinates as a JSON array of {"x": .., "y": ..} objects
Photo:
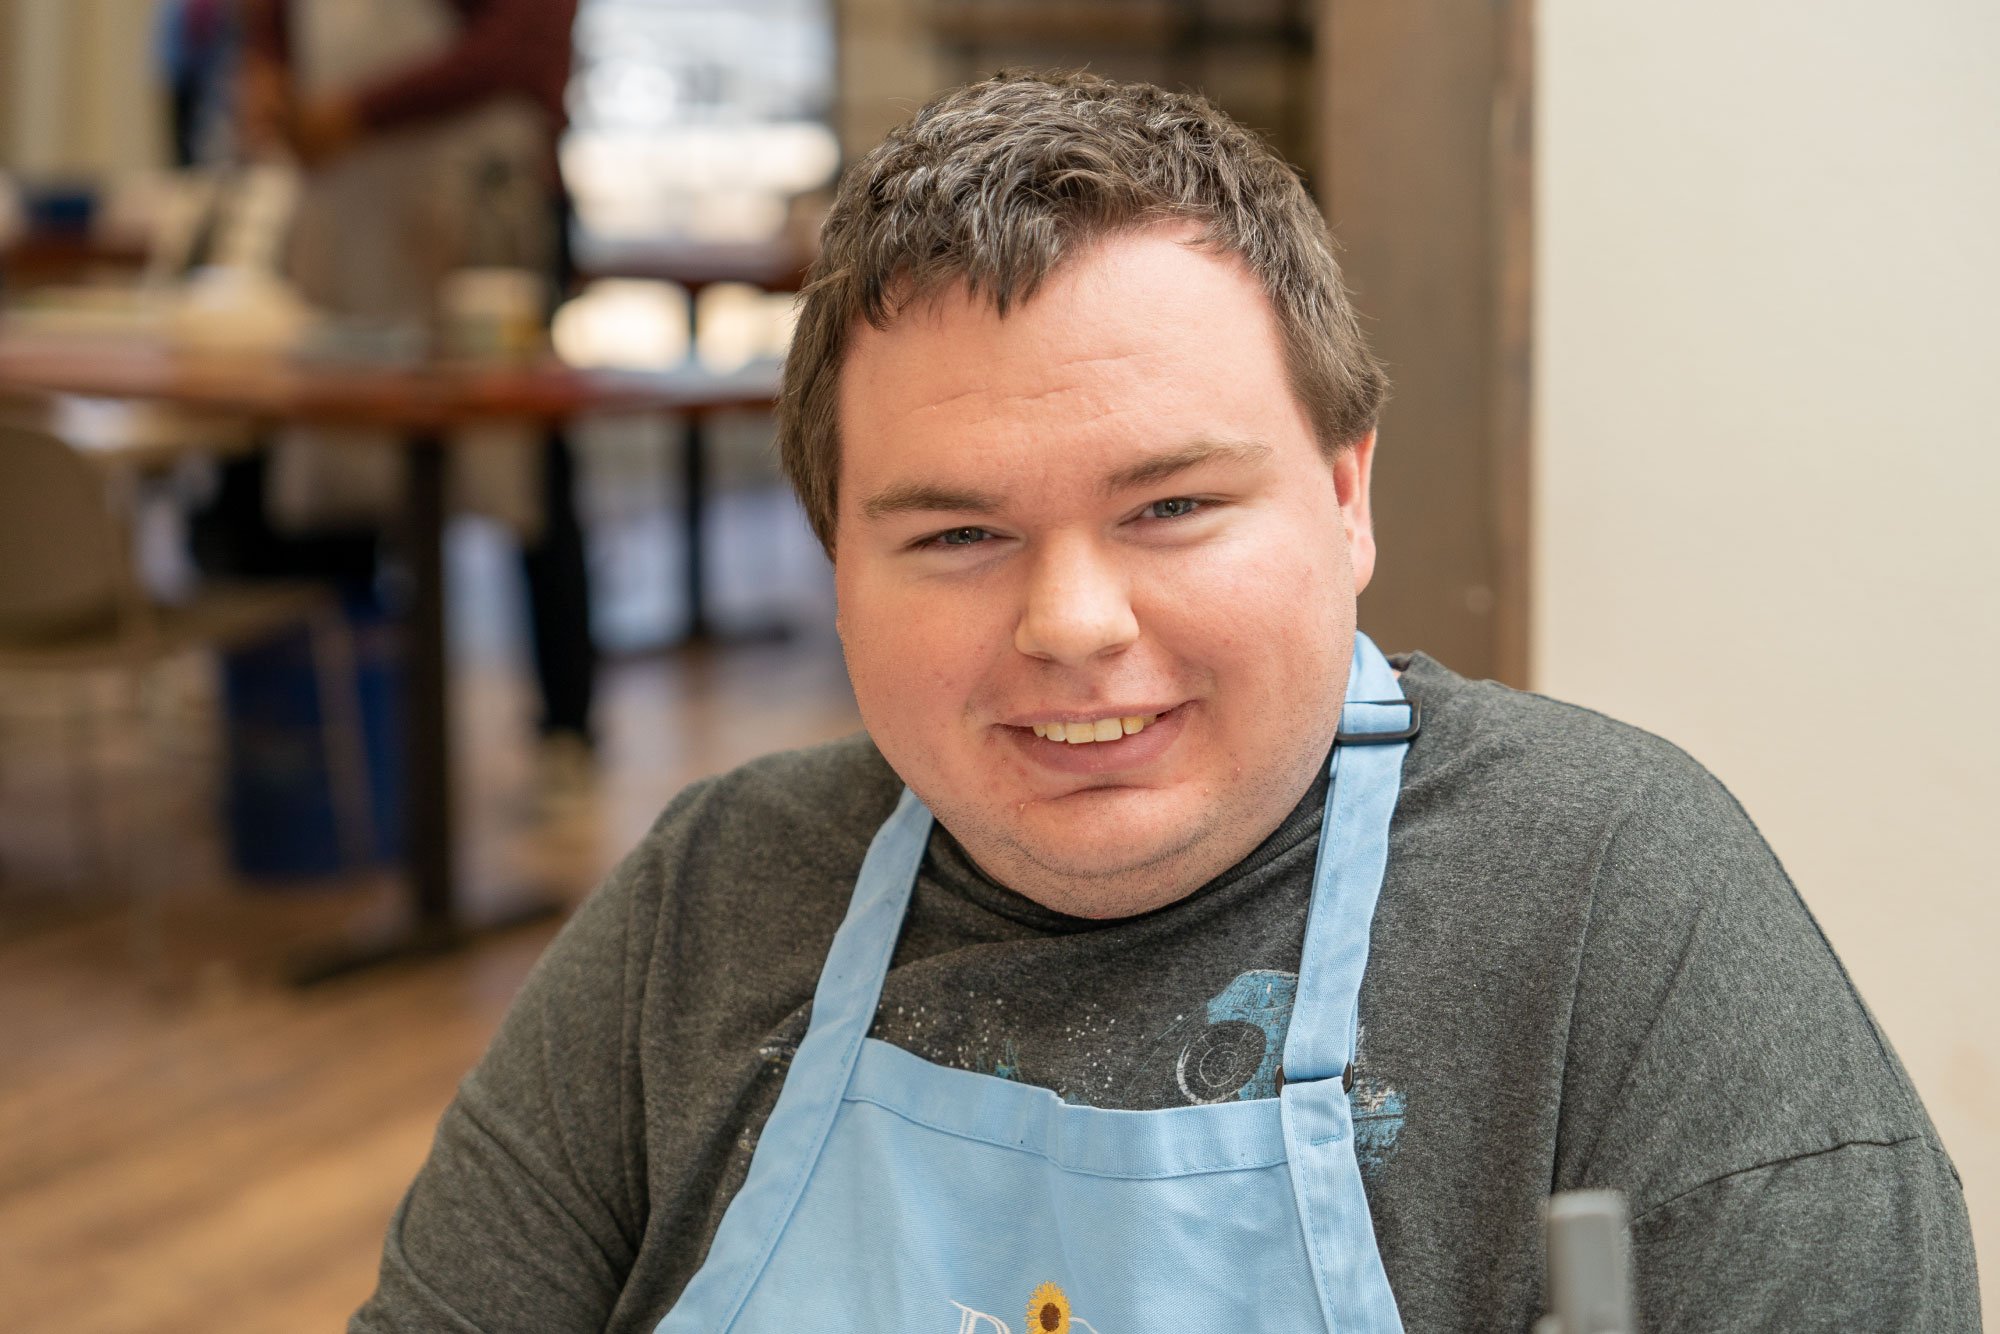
[
  {"x": 1119, "y": 743},
  {"x": 1091, "y": 732}
]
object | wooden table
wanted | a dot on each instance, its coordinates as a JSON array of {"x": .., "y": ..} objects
[
  {"x": 52, "y": 256},
  {"x": 422, "y": 405}
]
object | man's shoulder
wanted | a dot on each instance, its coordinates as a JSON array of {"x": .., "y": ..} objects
[
  {"x": 1626, "y": 892},
  {"x": 835, "y": 793},
  {"x": 1571, "y": 820},
  {"x": 752, "y": 864},
  {"x": 1512, "y": 749}
]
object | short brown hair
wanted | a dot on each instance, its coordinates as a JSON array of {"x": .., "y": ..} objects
[{"x": 995, "y": 184}]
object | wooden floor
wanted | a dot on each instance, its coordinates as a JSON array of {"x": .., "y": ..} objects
[{"x": 186, "y": 1143}]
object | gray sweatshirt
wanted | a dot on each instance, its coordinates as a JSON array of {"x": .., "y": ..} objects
[{"x": 1586, "y": 970}]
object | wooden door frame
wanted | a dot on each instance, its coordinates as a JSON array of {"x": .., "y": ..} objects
[{"x": 1426, "y": 173}]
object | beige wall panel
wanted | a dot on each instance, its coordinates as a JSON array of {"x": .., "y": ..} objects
[{"x": 1768, "y": 463}]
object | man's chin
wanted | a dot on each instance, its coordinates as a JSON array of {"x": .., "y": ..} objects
[{"x": 1110, "y": 863}]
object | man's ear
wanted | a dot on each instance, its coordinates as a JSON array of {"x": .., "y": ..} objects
[{"x": 1352, "y": 469}]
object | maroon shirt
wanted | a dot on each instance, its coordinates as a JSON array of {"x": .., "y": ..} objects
[{"x": 503, "y": 46}]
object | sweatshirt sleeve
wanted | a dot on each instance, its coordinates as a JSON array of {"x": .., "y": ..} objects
[
  {"x": 528, "y": 1212},
  {"x": 1864, "y": 1236},
  {"x": 1725, "y": 1075}
]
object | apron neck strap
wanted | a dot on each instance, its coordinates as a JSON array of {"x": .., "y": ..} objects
[
  {"x": 1376, "y": 725},
  {"x": 850, "y": 982}
]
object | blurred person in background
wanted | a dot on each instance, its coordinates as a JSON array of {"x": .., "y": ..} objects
[
  {"x": 428, "y": 131},
  {"x": 196, "y": 45}
]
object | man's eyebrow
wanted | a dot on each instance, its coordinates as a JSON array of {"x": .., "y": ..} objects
[
  {"x": 917, "y": 498},
  {"x": 1160, "y": 467},
  {"x": 925, "y": 498}
]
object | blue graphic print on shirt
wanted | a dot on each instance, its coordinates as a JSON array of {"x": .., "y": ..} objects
[{"x": 1236, "y": 1054}]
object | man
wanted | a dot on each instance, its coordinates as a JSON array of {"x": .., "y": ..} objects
[
  {"x": 1245, "y": 980},
  {"x": 497, "y": 48},
  {"x": 422, "y": 119}
]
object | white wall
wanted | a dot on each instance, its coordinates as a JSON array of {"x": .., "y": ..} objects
[{"x": 1768, "y": 463}]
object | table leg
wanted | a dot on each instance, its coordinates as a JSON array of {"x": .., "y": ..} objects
[
  {"x": 699, "y": 631},
  {"x": 694, "y": 498},
  {"x": 436, "y": 924},
  {"x": 427, "y": 799}
]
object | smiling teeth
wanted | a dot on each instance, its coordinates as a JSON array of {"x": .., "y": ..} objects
[{"x": 1104, "y": 729}]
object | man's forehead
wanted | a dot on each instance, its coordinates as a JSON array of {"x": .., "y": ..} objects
[
  {"x": 1129, "y": 319},
  {"x": 1086, "y": 261},
  {"x": 964, "y": 346},
  {"x": 1085, "y": 299}
]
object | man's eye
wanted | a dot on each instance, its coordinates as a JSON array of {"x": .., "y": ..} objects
[
  {"x": 1177, "y": 508},
  {"x": 960, "y": 537}
]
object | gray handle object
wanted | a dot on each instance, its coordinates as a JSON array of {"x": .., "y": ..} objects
[{"x": 1590, "y": 1265}]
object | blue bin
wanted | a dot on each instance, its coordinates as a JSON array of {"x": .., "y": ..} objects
[{"x": 278, "y": 796}]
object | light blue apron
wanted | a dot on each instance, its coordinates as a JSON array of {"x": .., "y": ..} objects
[{"x": 888, "y": 1193}]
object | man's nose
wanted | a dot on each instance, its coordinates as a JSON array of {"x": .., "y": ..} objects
[{"x": 1078, "y": 606}]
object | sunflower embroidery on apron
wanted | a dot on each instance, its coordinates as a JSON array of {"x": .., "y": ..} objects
[{"x": 1048, "y": 1313}]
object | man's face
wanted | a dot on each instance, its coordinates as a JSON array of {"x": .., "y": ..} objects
[{"x": 1107, "y": 505}]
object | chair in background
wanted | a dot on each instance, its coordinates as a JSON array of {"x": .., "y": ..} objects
[{"x": 72, "y": 607}]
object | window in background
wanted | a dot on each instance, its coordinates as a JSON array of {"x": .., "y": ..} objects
[
  {"x": 696, "y": 120},
  {"x": 697, "y": 127}
]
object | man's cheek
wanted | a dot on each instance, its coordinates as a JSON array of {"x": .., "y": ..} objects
[
  {"x": 916, "y": 670},
  {"x": 1222, "y": 601}
]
